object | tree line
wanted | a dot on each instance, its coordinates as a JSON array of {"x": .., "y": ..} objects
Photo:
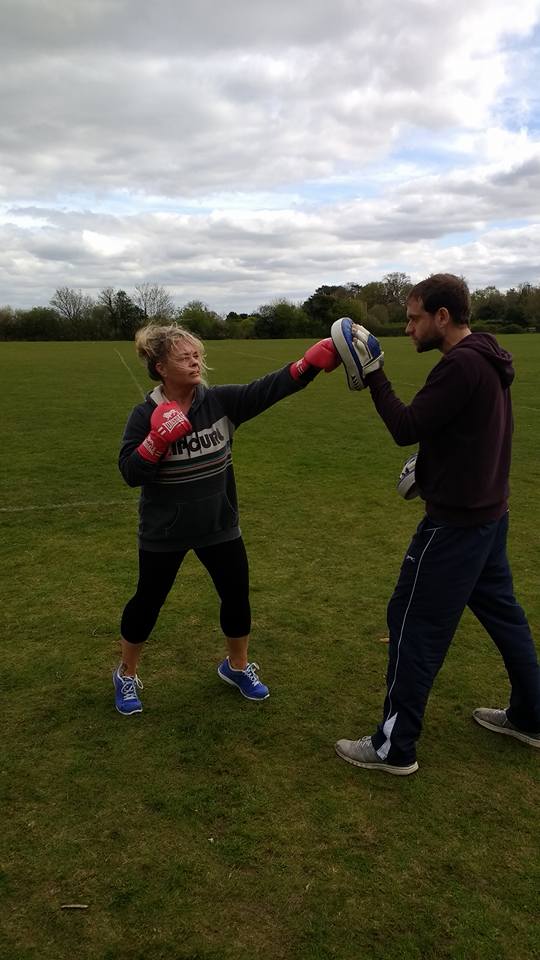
[{"x": 379, "y": 305}]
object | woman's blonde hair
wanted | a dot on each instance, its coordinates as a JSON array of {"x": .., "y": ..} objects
[{"x": 155, "y": 341}]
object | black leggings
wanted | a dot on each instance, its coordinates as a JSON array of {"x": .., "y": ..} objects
[{"x": 226, "y": 563}]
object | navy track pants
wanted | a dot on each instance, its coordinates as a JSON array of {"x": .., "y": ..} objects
[{"x": 445, "y": 569}]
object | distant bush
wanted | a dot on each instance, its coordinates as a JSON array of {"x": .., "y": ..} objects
[
  {"x": 479, "y": 327},
  {"x": 388, "y": 329},
  {"x": 512, "y": 328}
]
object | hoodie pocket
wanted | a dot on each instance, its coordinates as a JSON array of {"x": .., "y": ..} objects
[
  {"x": 155, "y": 519},
  {"x": 200, "y": 518}
]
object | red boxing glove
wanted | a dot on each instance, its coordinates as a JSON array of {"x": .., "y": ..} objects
[
  {"x": 322, "y": 355},
  {"x": 168, "y": 424}
]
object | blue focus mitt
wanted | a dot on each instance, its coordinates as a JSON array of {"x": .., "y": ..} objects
[{"x": 359, "y": 350}]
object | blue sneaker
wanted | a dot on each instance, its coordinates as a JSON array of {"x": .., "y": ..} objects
[
  {"x": 125, "y": 693},
  {"x": 246, "y": 680}
]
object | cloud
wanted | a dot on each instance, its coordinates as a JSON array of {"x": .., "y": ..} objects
[{"x": 237, "y": 151}]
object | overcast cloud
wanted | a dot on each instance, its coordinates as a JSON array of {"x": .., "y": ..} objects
[{"x": 238, "y": 151}]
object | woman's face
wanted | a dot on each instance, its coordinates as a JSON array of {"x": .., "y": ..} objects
[{"x": 182, "y": 368}]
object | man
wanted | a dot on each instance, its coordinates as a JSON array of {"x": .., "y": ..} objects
[{"x": 462, "y": 421}]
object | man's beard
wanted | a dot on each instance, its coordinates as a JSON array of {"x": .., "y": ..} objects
[{"x": 434, "y": 343}]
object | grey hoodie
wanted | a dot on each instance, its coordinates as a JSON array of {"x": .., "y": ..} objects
[
  {"x": 462, "y": 419},
  {"x": 188, "y": 498}
]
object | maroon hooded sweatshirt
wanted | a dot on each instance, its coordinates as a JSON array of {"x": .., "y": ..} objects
[{"x": 462, "y": 420}]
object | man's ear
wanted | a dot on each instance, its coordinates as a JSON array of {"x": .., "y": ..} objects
[{"x": 443, "y": 316}]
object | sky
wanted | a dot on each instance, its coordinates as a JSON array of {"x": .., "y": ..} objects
[{"x": 238, "y": 152}]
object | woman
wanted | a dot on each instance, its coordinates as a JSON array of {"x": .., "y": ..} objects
[{"x": 177, "y": 446}]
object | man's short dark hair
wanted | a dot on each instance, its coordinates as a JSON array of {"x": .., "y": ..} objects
[{"x": 445, "y": 290}]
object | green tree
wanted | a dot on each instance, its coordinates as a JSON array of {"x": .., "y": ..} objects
[
  {"x": 320, "y": 308},
  {"x": 374, "y": 293},
  {"x": 530, "y": 301},
  {"x": 39, "y": 323},
  {"x": 378, "y": 314},
  {"x": 239, "y": 326},
  {"x": 515, "y": 314},
  {"x": 203, "y": 322},
  {"x": 355, "y": 309},
  {"x": 280, "y": 319},
  {"x": 8, "y": 323},
  {"x": 487, "y": 303},
  {"x": 124, "y": 316}
]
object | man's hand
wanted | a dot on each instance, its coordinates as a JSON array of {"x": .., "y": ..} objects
[
  {"x": 359, "y": 349},
  {"x": 322, "y": 355},
  {"x": 167, "y": 424}
]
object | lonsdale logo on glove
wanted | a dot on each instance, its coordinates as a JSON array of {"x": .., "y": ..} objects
[{"x": 171, "y": 419}]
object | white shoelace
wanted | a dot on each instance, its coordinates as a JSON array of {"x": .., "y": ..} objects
[
  {"x": 250, "y": 670},
  {"x": 128, "y": 687}
]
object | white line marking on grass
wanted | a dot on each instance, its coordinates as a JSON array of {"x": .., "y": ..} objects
[
  {"x": 132, "y": 375},
  {"x": 66, "y": 506}
]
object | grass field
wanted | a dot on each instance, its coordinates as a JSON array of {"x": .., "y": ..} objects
[{"x": 210, "y": 828}]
